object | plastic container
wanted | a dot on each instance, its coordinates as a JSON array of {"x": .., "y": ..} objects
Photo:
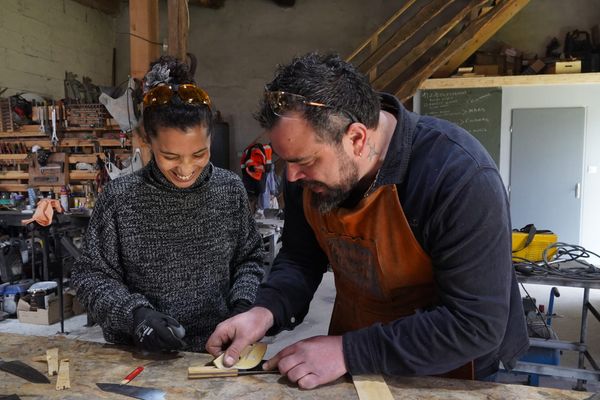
[
  {"x": 64, "y": 198},
  {"x": 12, "y": 294},
  {"x": 41, "y": 293},
  {"x": 2, "y": 286}
]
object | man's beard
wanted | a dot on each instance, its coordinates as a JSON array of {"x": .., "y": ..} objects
[{"x": 333, "y": 196}]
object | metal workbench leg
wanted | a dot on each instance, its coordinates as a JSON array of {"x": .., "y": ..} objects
[{"x": 582, "y": 337}]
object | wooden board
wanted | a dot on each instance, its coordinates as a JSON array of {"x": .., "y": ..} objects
[
  {"x": 52, "y": 360},
  {"x": 63, "y": 381},
  {"x": 96, "y": 362},
  {"x": 371, "y": 387}
]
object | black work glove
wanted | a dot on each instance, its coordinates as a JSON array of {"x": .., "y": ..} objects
[{"x": 155, "y": 331}]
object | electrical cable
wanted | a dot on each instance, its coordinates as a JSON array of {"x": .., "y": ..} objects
[
  {"x": 140, "y": 37},
  {"x": 565, "y": 253}
]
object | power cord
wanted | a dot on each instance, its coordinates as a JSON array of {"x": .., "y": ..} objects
[{"x": 564, "y": 253}]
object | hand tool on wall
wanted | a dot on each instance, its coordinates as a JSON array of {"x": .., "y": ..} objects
[
  {"x": 137, "y": 392},
  {"x": 54, "y": 138},
  {"x": 24, "y": 371}
]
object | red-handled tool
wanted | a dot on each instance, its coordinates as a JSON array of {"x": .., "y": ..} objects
[{"x": 132, "y": 375}]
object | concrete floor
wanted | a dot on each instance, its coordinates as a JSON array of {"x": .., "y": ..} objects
[{"x": 568, "y": 307}]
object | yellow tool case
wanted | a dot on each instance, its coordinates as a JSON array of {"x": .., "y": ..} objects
[{"x": 528, "y": 244}]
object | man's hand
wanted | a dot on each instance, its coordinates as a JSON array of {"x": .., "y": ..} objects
[
  {"x": 311, "y": 362},
  {"x": 155, "y": 331},
  {"x": 235, "y": 333}
]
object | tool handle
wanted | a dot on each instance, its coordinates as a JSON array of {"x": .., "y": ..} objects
[
  {"x": 210, "y": 372},
  {"x": 132, "y": 375}
]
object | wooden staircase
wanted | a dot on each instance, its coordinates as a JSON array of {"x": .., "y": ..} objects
[{"x": 429, "y": 38}]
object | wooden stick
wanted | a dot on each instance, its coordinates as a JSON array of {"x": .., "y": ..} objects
[
  {"x": 63, "y": 381},
  {"x": 213, "y": 372},
  {"x": 372, "y": 387},
  {"x": 52, "y": 359},
  {"x": 210, "y": 372}
]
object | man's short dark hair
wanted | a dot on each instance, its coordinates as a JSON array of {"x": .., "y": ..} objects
[
  {"x": 176, "y": 114},
  {"x": 329, "y": 80}
]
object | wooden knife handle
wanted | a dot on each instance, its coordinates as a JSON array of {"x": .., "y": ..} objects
[{"x": 210, "y": 372}]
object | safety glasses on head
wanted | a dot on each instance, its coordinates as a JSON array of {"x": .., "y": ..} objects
[
  {"x": 188, "y": 93},
  {"x": 282, "y": 102}
]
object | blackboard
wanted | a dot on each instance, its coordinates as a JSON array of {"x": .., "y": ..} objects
[{"x": 476, "y": 110}]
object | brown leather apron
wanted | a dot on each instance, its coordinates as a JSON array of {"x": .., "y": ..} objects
[{"x": 381, "y": 272}]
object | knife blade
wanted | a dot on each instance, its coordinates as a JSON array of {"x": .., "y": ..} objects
[
  {"x": 24, "y": 371},
  {"x": 137, "y": 392}
]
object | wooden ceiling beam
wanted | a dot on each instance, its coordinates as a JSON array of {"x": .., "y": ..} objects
[
  {"x": 423, "y": 16},
  {"x": 392, "y": 73},
  {"x": 178, "y": 15},
  {"x": 143, "y": 41},
  {"x": 463, "y": 40},
  {"x": 144, "y": 47},
  {"x": 507, "y": 9}
]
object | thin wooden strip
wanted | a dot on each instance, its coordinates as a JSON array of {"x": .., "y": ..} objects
[
  {"x": 14, "y": 175},
  {"x": 82, "y": 175},
  {"x": 210, "y": 372},
  {"x": 22, "y": 134},
  {"x": 20, "y": 157},
  {"x": 372, "y": 387},
  {"x": 513, "y": 80},
  {"x": 64, "y": 380},
  {"x": 40, "y": 358},
  {"x": 52, "y": 359}
]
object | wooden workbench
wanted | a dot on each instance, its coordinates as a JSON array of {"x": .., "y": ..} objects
[{"x": 94, "y": 362}]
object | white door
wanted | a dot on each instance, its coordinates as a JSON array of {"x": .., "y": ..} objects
[{"x": 546, "y": 170}]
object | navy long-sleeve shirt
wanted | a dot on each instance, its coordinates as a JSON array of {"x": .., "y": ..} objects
[{"x": 456, "y": 205}]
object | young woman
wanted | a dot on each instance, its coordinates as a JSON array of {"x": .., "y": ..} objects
[{"x": 172, "y": 250}]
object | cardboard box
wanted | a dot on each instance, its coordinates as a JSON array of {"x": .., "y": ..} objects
[
  {"x": 483, "y": 58},
  {"x": 565, "y": 67},
  {"x": 534, "y": 67},
  {"x": 487, "y": 70},
  {"x": 43, "y": 316},
  {"x": 76, "y": 307}
]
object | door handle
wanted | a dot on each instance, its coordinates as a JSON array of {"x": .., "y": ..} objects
[{"x": 578, "y": 190}]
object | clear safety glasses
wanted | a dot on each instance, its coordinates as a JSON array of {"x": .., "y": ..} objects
[{"x": 282, "y": 102}]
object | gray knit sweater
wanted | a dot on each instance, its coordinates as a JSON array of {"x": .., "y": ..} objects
[{"x": 189, "y": 253}]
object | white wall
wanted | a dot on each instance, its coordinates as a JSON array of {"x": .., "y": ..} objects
[
  {"x": 553, "y": 96},
  {"x": 537, "y": 23},
  {"x": 42, "y": 39}
]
